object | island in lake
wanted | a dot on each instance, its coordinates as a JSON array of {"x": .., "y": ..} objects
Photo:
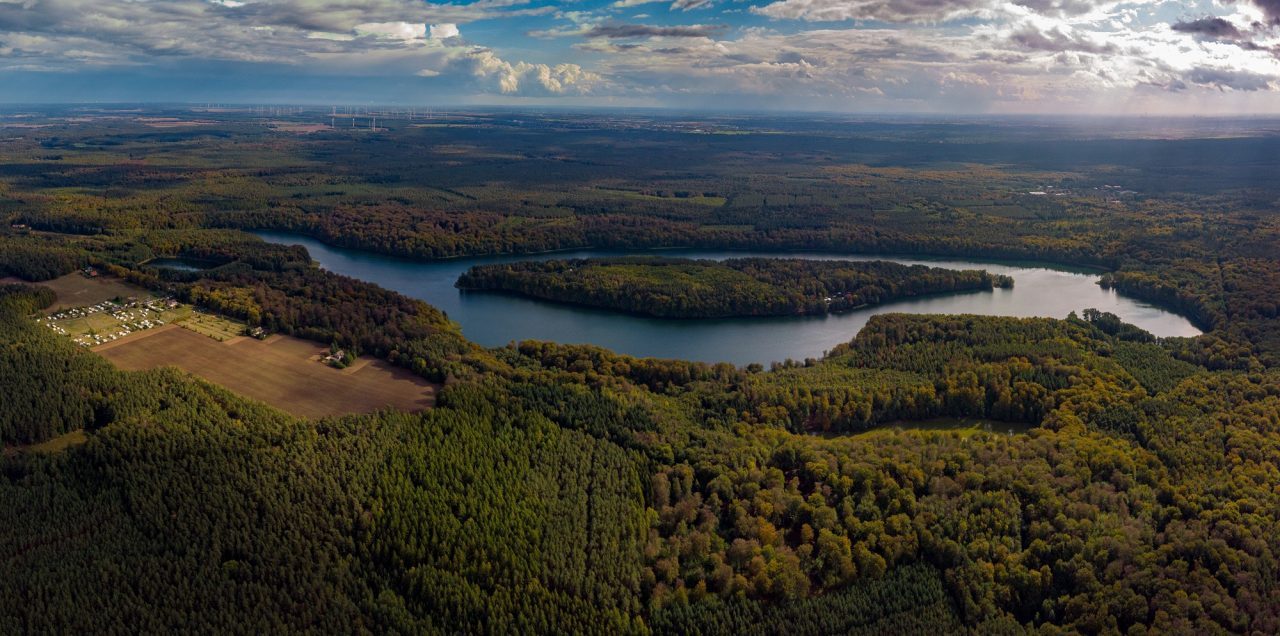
[{"x": 686, "y": 288}]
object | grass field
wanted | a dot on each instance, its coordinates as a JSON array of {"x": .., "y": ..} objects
[
  {"x": 94, "y": 311},
  {"x": 216, "y": 327},
  {"x": 108, "y": 321},
  {"x": 963, "y": 426},
  {"x": 59, "y": 443},
  {"x": 75, "y": 290},
  {"x": 282, "y": 371}
]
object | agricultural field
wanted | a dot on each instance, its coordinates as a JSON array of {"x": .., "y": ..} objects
[
  {"x": 111, "y": 320},
  {"x": 282, "y": 371},
  {"x": 96, "y": 310},
  {"x": 77, "y": 290},
  {"x": 211, "y": 325}
]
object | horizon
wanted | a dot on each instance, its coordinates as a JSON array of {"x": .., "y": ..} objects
[
  {"x": 1105, "y": 57},
  {"x": 323, "y": 107}
]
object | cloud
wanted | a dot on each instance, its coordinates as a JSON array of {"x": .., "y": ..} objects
[
  {"x": 1229, "y": 79},
  {"x": 392, "y": 30},
  {"x": 1212, "y": 27},
  {"x": 286, "y": 31},
  {"x": 689, "y": 5},
  {"x": 929, "y": 11},
  {"x": 934, "y": 11},
  {"x": 443, "y": 31},
  {"x": 1015, "y": 60},
  {"x": 486, "y": 70},
  {"x": 1062, "y": 54},
  {"x": 386, "y": 37},
  {"x": 1269, "y": 7},
  {"x": 1057, "y": 40},
  {"x": 1059, "y": 7},
  {"x": 620, "y": 31}
]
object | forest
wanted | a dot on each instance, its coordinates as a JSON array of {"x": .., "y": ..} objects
[
  {"x": 685, "y": 288},
  {"x": 1120, "y": 483}
]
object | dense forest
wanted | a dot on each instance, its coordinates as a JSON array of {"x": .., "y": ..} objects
[
  {"x": 1119, "y": 483},
  {"x": 684, "y": 288}
]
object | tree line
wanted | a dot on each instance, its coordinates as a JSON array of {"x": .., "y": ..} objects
[{"x": 685, "y": 288}]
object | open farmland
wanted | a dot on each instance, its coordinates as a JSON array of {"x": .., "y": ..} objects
[
  {"x": 77, "y": 290},
  {"x": 282, "y": 371}
]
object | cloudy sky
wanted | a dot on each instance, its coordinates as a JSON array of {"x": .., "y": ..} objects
[{"x": 1035, "y": 56}]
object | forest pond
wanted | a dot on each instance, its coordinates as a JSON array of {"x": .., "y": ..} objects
[{"x": 494, "y": 319}]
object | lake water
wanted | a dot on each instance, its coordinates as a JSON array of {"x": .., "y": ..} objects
[{"x": 493, "y": 319}]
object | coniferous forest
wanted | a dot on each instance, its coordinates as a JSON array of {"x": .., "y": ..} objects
[{"x": 932, "y": 474}]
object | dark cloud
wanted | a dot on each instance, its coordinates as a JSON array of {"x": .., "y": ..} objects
[
  {"x": 1211, "y": 27},
  {"x": 1054, "y": 41},
  {"x": 19, "y": 17},
  {"x": 1170, "y": 84},
  {"x": 1001, "y": 57},
  {"x": 1271, "y": 8},
  {"x": 622, "y": 31},
  {"x": 689, "y": 5},
  {"x": 926, "y": 11},
  {"x": 792, "y": 57},
  {"x": 1224, "y": 79}
]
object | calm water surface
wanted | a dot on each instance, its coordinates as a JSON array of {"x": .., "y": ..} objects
[{"x": 495, "y": 319}]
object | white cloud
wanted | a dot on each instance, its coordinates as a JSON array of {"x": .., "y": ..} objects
[
  {"x": 1058, "y": 53},
  {"x": 884, "y": 10},
  {"x": 393, "y": 30},
  {"x": 490, "y": 72},
  {"x": 690, "y": 5},
  {"x": 444, "y": 31}
]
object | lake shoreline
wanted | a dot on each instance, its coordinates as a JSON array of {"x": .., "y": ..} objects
[
  {"x": 494, "y": 320},
  {"x": 1064, "y": 266}
]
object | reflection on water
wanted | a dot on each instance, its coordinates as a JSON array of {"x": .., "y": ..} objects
[{"x": 495, "y": 319}]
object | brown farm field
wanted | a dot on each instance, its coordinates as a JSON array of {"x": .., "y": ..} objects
[
  {"x": 76, "y": 290},
  {"x": 282, "y": 371}
]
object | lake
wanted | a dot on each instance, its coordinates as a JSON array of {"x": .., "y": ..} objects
[{"x": 494, "y": 319}]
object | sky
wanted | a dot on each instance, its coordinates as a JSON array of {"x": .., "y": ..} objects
[{"x": 1195, "y": 57}]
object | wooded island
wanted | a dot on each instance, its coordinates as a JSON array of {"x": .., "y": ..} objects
[{"x": 686, "y": 288}]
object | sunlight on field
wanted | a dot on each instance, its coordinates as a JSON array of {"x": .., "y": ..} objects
[
  {"x": 216, "y": 327},
  {"x": 962, "y": 426},
  {"x": 96, "y": 310},
  {"x": 61, "y": 442},
  {"x": 282, "y": 371},
  {"x": 78, "y": 290},
  {"x": 54, "y": 445}
]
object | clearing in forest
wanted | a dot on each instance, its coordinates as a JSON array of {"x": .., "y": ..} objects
[
  {"x": 282, "y": 371},
  {"x": 78, "y": 290}
]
